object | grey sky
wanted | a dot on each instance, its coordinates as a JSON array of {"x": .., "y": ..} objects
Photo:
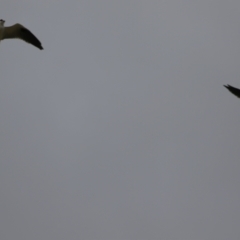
[{"x": 121, "y": 129}]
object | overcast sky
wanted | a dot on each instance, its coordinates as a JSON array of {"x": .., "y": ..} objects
[{"x": 120, "y": 129}]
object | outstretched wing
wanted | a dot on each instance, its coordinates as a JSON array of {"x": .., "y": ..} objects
[
  {"x": 233, "y": 90},
  {"x": 27, "y": 36},
  {"x": 19, "y": 31}
]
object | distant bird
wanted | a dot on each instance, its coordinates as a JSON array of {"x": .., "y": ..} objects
[
  {"x": 18, "y": 31},
  {"x": 233, "y": 90}
]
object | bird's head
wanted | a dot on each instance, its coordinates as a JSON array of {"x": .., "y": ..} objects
[{"x": 2, "y": 22}]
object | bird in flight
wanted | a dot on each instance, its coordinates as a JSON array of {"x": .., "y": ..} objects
[
  {"x": 233, "y": 90},
  {"x": 18, "y": 31}
]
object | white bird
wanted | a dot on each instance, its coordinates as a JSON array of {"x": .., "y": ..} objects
[{"x": 18, "y": 31}]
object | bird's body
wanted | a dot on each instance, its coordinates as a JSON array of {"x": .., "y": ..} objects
[
  {"x": 18, "y": 31},
  {"x": 233, "y": 90},
  {"x": 1, "y": 30}
]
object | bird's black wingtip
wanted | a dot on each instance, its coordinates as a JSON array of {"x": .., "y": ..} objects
[
  {"x": 39, "y": 46},
  {"x": 233, "y": 90}
]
